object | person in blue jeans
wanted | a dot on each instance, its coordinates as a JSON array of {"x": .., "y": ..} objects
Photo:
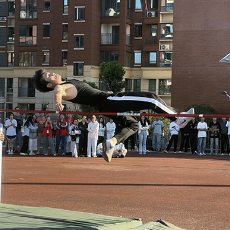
[
  {"x": 157, "y": 132},
  {"x": 61, "y": 133},
  {"x": 202, "y": 128},
  {"x": 143, "y": 133}
]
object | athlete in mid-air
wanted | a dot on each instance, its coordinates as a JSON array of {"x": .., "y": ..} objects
[{"x": 81, "y": 93}]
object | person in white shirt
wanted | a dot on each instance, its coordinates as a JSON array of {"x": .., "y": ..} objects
[
  {"x": 143, "y": 133},
  {"x": 174, "y": 130},
  {"x": 101, "y": 131},
  {"x": 202, "y": 127},
  {"x": 93, "y": 127},
  {"x": 110, "y": 128},
  {"x": 10, "y": 125},
  {"x": 33, "y": 135}
]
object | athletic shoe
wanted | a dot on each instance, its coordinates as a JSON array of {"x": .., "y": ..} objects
[
  {"x": 182, "y": 121},
  {"x": 37, "y": 153},
  {"x": 165, "y": 151},
  {"x": 75, "y": 156},
  {"x": 180, "y": 151},
  {"x": 140, "y": 153},
  {"x": 144, "y": 153},
  {"x": 108, "y": 149},
  {"x": 23, "y": 154},
  {"x": 94, "y": 156},
  {"x": 53, "y": 155},
  {"x": 32, "y": 154},
  {"x": 63, "y": 154}
]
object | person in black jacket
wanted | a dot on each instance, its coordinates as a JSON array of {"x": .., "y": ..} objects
[
  {"x": 193, "y": 132},
  {"x": 83, "y": 137},
  {"x": 184, "y": 139}
]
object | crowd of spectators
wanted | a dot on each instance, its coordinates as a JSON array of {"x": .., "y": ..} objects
[{"x": 81, "y": 137}]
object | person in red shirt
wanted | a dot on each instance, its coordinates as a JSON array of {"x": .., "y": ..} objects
[
  {"x": 61, "y": 133},
  {"x": 48, "y": 137},
  {"x": 69, "y": 121}
]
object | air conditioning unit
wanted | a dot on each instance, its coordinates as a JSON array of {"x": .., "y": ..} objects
[
  {"x": 151, "y": 14},
  {"x": 165, "y": 47}
]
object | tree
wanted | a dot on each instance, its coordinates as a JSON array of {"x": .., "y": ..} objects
[
  {"x": 111, "y": 74},
  {"x": 203, "y": 109},
  {"x": 88, "y": 108}
]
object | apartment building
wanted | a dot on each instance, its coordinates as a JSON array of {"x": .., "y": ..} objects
[
  {"x": 201, "y": 40},
  {"x": 73, "y": 37}
]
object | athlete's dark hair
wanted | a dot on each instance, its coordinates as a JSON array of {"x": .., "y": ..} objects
[{"x": 39, "y": 82}]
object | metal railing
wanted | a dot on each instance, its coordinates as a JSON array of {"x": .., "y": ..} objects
[
  {"x": 167, "y": 36},
  {"x": 30, "y": 40},
  {"x": 165, "y": 64},
  {"x": 110, "y": 38},
  {"x": 167, "y": 9}
]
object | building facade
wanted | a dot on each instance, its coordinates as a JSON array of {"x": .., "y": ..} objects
[
  {"x": 201, "y": 40},
  {"x": 73, "y": 37}
]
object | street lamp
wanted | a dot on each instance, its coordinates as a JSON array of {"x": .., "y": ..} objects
[{"x": 225, "y": 93}]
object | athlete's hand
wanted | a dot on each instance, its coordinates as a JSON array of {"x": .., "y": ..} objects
[{"x": 59, "y": 106}]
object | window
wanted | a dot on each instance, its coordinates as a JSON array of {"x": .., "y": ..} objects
[
  {"x": 28, "y": 35},
  {"x": 137, "y": 85},
  {"x": 28, "y": 9},
  {"x": 3, "y": 36},
  {"x": 2, "y": 113},
  {"x": 46, "y": 57},
  {"x": 3, "y": 11},
  {"x": 128, "y": 59},
  {"x": 79, "y": 41},
  {"x": 78, "y": 69},
  {"x": 166, "y": 31},
  {"x": 2, "y": 87},
  {"x": 153, "y": 30},
  {"x": 137, "y": 58},
  {"x": 138, "y": 30},
  {"x": 165, "y": 86},
  {"x": 152, "y": 58},
  {"x": 80, "y": 13},
  {"x": 27, "y": 58},
  {"x": 45, "y": 107},
  {"x": 47, "y": 5},
  {"x": 152, "y": 85},
  {"x": 64, "y": 57},
  {"x": 25, "y": 88},
  {"x": 110, "y": 8},
  {"x": 11, "y": 34},
  {"x": 128, "y": 85},
  {"x": 109, "y": 56},
  {"x": 129, "y": 8},
  {"x": 138, "y": 5},
  {"x": 65, "y": 32},
  {"x": 46, "y": 30},
  {"x": 2, "y": 60},
  {"x": 9, "y": 85},
  {"x": 65, "y": 8},
  {"x": 11, "y": 8},
  {"x": 154, "y": 4},
  {"x": 10, "y": 59},
  {"x": 165, "y": 59}
]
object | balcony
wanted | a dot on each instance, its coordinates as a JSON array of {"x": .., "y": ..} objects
[
  {"x": 26, "y": 92},
  {"x": 110, "y": 38},
  {"x": 111, "y": 12},
  {"x": 12, "y": 14},
  {"x": 2, "y": 19},
  {"x": 166, "y": 63},
  {"x": 28, "y": 40},
  {"x": 168, "y": 36},
  {"x": 149, "y": 64},
  {"x": 11, "y": 39},
  {"x": 151, "y": 17},
  {"x": 167, "y": 9}
]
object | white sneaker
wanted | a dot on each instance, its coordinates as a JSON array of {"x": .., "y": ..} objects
[
  {"x": 182, "y": 121},
  {"x": 75, "y": 156},
  {"x": 23, "y": 154},
  {"x": 32, "y": 154},
  {"x": 165, "y": 151},
  {"x": 108, "y": 149}
]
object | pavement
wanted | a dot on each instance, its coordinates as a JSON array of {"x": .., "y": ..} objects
[{"x": 189, "y": 191}]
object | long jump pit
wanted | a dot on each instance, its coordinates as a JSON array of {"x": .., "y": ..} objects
[{"x": 136, "y": 192}]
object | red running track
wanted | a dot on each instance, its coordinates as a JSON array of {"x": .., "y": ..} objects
[{"x": 189, "y": 191}]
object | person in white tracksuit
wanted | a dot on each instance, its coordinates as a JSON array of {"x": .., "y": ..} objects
[
  {"x": 110, "y": 128},
  {"x": 93, "y": 127}
]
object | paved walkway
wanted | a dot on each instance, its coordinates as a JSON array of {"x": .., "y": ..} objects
[{"x": 189, "y": 191}]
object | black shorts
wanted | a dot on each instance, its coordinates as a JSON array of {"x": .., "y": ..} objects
[{"x": 10, "y": 138}]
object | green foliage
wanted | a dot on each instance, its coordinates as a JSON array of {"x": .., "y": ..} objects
[
  {"x": 87, "y": 108},
  {"x": 111, "y": 74},
  {"x": 203, "y": 109}
]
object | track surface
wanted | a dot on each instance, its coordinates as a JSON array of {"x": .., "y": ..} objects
[{"x": 189, "y": 191}]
